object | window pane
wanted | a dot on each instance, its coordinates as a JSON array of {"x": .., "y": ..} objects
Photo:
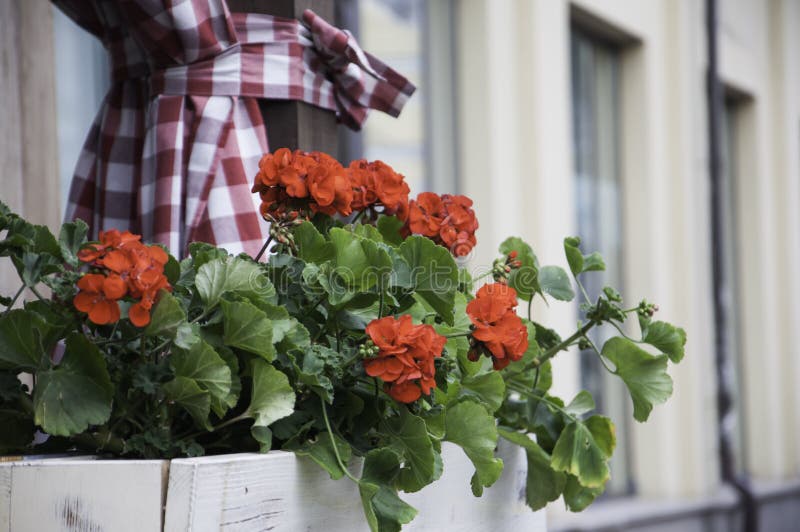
[
  {"x": 729, "y": 278},
  {"x": 595, "y": 101},
  {"x": 82, "y": 80},
  {"x": 393, "y": 31}
]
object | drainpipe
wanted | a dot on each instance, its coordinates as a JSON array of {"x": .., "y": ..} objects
[{"x": 741, "y": 483}]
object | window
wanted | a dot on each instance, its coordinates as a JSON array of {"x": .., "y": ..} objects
[
  {"x": 598, "y": 194},
  {"x": 82, "y": 80},
  {"x": 415, "y": 38},
  {"x": 728, "y": 277}
]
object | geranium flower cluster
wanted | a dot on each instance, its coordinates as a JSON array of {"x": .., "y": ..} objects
[
  {"x": 300, "y": 181},
  {"x": 405, "y": 360},
  {"x": 448, "y": 220},
  {"x": 498, "y": 331},
  {"x": 121, "y": 267}
]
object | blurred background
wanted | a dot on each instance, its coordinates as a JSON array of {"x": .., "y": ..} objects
[{"x": 587, "y": 117}]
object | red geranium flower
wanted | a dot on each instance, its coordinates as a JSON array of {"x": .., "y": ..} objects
[
  {"x": 447, "y": 220},
  {"x": 98, "y": 297},
  {"x": 498, "y": 331},
  {"x": 406, "y": 354},
  {"x": 124, "y": 267},
  {"x": 375, "y": 184}
]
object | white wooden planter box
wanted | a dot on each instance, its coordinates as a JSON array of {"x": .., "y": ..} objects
[{"x": 244, "y": 493}]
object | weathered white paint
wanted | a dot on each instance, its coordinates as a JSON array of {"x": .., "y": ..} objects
[
  {"x": 280, "y": 492},
  {"x": 276, "y": 491},
  {"x": 68, "y": 495}
]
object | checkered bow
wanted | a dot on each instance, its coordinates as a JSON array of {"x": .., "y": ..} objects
[{"x": 176, "y": 143}]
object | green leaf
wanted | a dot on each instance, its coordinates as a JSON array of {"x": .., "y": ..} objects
[
  {"x": 311, "y": 245},
  {"x": 21, "y": 340},
  {"x": 187, "y": 335},
  {"x": 321, "y": 451},
  {"x": 70, "y": 240},
  {"x": 384, "y": 509},
  {"x": 264, "y": 438},
  {"x": 203, "y": 252},
  {"x": 593, "y": 262},
  {"x": 489, "y": 388},
  {"x": 574, "y": 255},
  {"x": 310, "y": 366},
  {"x": 233, "y": 275},
  {"x": 604, "y": 432},
  {"x": 272, "y": 398},
  {"x": 281, "y": 322},
  {"x": 360, "y": 263},
  {"x": 247, "y": 327},
  {"x": 18, "y": 429},
  {"x": 410, "y": 438},
  {"x": 543, "y": 484},
  {"x": 434, "y": 274},
  {"x": 461, "y": 325},
  {"x": 525, "y": 278},
  {"x": 75, "y": 394},
  {"x": 553, "y": 280},
  {"x": 578, "y": 497},
  {"x": 168, "y": 315},
  {"x": 470, "y": 426},
  {"x": 578, "y": 262},
  {"x": 203, "y": 365},
  {"x": 389, "y": 227},
  {"x": 172, "y": 270},
  {"x": 667, "y": 338},
  {"x": 644, "y": 374},
  {"x": 350, "y": 261},
  {"x": 188, "y": 394},
  {"x": 582, "y": 404},
  {"x": 583, "y": 450}
]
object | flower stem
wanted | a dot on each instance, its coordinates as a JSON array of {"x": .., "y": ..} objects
[
  {"x": 16, "y": 296},
  {"x": 553, "y": 351},
  {"x": 541, "y": 398},
  {"x": 37, "y": 294},
  {"x": 263, "y": 248},
  {"x": 358, "y": 217},
  {"x": 333, "y": 442}
]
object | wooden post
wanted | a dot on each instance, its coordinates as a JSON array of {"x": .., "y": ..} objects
[{"x": 290, "y": 123}]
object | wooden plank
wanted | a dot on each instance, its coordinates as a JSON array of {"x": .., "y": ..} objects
[
  {"x": 281, "y": 492},
  {"x": 294, "y": 124},
  {"x": 69, "y": 495}
]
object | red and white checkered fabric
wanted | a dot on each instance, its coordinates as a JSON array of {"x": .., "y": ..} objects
[{"x": 173, "y": 150}]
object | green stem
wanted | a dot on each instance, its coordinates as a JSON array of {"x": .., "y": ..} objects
[
  {"x": 380, "y": 301},
  {"x": 457, "y": 335},
  {"x": 622, "y": 333},
  {"x": 358, "y": 217},
  {"x": 16, "y": 296},
  {"x": 263, "y": 248},
  {"x": 481, "y": 276},
  {"x": 530, "y": 304},
  {"x": 598, "y": 353},
  {"x": 215, "y": 428},
  {"x": 333, "y": 442},
  {"x": 583, "y": 290},
  {"x": 541, "y": 398},
  {"x": 206, "y": 313},
  {"x": 553, "y": 351},
  {"x": 316, "y": 303},
  {"x": 37, "y": 294}
]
